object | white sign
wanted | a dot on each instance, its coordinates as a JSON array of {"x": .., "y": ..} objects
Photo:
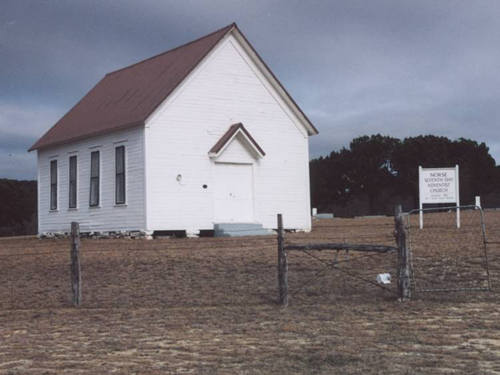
[{"x": 438, "y": 185}]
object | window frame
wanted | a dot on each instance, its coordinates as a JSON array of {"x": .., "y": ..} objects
[
  {"x": 73, "y": 191},
  {"x": 97, "y": 178},
  {"x": 118, "y": 174},
  {"x": 53, "y": 190}
]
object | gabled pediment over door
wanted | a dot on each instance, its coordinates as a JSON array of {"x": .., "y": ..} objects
[{"x": 236, "y": 146}]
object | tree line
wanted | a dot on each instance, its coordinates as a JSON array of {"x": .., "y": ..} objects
[
  {"x": 17, "y": 207},
  {"x": 377, "y": 172}
]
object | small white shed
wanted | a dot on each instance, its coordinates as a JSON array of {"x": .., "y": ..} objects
[{"x": 199, "y": 135}]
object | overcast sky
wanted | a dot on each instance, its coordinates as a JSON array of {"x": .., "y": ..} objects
[{"x": 399, "y": 68}]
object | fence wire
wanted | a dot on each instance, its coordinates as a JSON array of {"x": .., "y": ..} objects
[
  {"x": 116, "y": 273},
  {"x": 446, "y": 256},
  {"x": 139, "y": 273}
]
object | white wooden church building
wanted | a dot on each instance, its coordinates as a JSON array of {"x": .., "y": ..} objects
[{"x": 198, "y": 135}]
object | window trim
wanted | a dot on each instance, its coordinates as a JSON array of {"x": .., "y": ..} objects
[
  {"x": 124, "y": 173},
  {"x": 75, "y": 206},
  {"x": 98, "y": 177},
  {"x": 53, "y": 203}
]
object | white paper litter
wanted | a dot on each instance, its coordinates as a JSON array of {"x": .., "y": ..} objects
[{"x": 384, "y": 278}]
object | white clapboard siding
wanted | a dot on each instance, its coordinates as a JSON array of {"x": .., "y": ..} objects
[
  {"x": 225, "y": 89},
  {"x": 108, "y": 216}
]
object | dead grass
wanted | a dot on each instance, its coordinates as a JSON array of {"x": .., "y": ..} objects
[{"x": 207, "y": 306}]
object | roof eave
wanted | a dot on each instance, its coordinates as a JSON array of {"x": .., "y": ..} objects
[{"x": 38, "y": 146}]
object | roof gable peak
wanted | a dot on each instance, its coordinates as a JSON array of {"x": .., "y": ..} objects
[{"x": 224, "y": 29}]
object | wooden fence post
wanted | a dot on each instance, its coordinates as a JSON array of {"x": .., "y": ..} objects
[
  {"x": 76, "y": 277},
  {"x": 282, "y": 265},
  {"x": 404, "y": 287}
]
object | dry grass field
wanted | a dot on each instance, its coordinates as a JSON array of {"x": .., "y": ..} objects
[{"x": 208, "y": 305}]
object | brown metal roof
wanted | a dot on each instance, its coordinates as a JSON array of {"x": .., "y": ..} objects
[
  {"x": 126, "y": 97},
  {"x": 229, "y": 134}
]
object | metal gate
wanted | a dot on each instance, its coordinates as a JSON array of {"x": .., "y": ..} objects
[{"x": 445, "y": 256}]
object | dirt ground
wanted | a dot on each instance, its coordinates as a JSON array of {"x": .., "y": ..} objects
[{"x": 208, "y": 305}]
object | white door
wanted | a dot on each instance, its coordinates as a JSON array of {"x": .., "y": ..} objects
[{"x": 233, "y": 195}]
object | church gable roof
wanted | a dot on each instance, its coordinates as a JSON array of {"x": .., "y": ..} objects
[{"x": 127, "y": 97}]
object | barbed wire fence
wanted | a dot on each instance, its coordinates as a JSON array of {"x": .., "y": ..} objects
[
  {"x": 184, "y": 272},
  {"x": 139, "y": 273},
  {"x": 119, "y": 273}
]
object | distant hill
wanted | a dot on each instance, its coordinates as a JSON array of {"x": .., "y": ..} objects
[{"x": 18, "y": 205}]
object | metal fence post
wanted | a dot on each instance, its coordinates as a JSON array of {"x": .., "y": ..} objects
[{"x": 404, "y": 287}]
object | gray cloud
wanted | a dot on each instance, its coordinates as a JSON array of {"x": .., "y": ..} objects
[{"x": 356, "y": 67}]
